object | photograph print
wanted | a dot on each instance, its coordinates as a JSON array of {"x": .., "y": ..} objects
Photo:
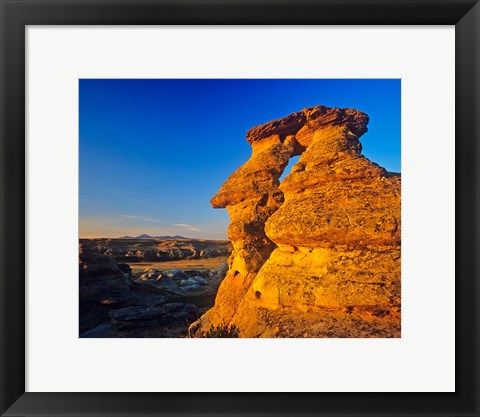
[{"x": 240, "y": 208}]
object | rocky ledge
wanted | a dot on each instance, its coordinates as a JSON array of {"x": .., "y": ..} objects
[{"x": 319, "y": 254}]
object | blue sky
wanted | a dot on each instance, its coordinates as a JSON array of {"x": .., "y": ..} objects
[{"x": 153, "y": 152}]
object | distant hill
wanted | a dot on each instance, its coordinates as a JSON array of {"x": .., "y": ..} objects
[{"x": 145, "y": 236}]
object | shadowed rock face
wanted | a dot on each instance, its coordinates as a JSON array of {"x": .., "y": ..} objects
[{"x": 319, "y": 254}]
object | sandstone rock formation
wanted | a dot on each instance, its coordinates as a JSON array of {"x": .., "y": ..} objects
[
  {"x": 319, "y": 254},
  {"x": 101, "y": 279}
]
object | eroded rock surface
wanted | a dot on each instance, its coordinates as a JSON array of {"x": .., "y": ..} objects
[{"x": 319, "y": 254}]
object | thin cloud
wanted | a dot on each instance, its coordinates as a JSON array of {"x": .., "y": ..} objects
[
  {"x": 149, "y": 219},
  {"x": 145, "y": 219},
  {"x": 187, "y": 227}
]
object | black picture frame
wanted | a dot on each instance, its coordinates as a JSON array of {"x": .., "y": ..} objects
[{"x": 17, "y": 14}]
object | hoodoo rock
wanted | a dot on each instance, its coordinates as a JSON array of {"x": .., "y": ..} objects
[{"x": 319, "y": 254}]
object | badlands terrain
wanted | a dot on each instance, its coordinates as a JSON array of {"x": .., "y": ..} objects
[{"x": 147, "y": 287}]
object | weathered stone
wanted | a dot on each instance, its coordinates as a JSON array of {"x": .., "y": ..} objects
[
  {"x": 101, "y": 280},
  {"x": 323, "y": 243},
  {"x": 144, "y": 316}
]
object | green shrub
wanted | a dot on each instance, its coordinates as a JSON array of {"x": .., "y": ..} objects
[{"x": 221, "y": 331}]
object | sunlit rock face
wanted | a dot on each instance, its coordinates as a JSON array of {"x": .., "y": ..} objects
[{"x": 319, "y": 254}]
